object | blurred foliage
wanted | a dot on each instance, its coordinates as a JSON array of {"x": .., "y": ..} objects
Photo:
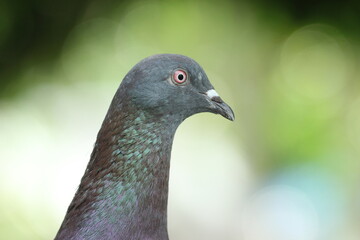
[{"x": 33, "y": 32}]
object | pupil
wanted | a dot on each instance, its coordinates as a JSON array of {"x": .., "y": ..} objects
[{"x": 181, "y": 77}]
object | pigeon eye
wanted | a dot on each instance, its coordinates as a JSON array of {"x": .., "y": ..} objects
[{"x": 179, "y": 77}]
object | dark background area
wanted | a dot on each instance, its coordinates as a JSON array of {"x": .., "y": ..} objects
[{"x": 34, "y": 31}]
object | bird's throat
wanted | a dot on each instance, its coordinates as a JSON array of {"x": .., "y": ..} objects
[{"x": 124, "y": 190}]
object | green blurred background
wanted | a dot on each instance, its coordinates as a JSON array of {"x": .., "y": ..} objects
[{"x": 286, "y": 169}]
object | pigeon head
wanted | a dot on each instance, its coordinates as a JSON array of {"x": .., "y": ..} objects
[
  {"x": 172, "y": 85},
  {"x": 123, "y": 193}
]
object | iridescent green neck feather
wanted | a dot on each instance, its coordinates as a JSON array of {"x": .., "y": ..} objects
[{"x": 125, "y": 187}]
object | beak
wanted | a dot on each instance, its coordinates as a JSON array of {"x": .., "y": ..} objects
[{"x": 220, "y": 106}]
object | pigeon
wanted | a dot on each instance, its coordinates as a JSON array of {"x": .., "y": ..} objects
[{"x": 123, "y": 193}]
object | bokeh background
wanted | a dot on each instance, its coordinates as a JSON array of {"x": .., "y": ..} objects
[{"x": 286, "y": 169}]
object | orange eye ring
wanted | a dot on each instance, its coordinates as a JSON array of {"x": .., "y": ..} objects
[{"x": 179, "y": 77}]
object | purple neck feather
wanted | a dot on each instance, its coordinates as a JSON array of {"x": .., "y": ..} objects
[{"x": 123, "y": 193}]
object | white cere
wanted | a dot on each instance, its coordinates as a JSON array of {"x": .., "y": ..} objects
[{"x": 212, "y": 93}]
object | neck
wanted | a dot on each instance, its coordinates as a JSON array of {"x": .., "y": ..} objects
[{"x": 123, "y": 193}]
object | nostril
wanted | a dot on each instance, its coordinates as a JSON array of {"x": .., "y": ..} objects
[
  {"x": 217, "y": 99},
  {"x": 213, "y": 97}
]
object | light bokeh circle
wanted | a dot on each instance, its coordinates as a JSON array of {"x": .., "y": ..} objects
[
  {"x": 280, "y": 212},
  {"x": 314, "y": 63}
]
